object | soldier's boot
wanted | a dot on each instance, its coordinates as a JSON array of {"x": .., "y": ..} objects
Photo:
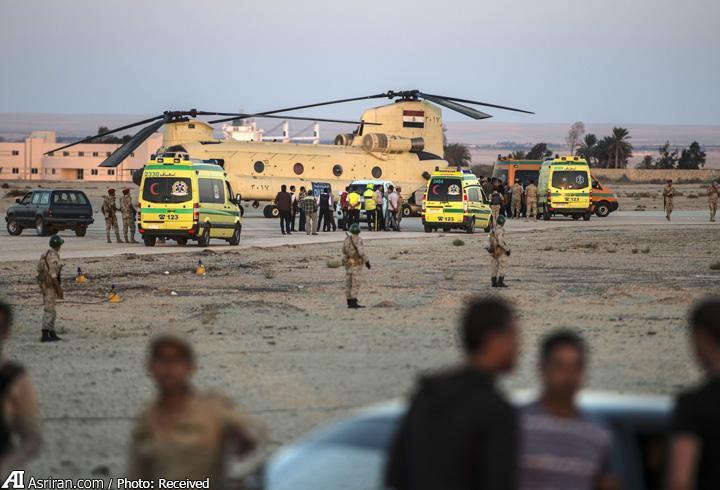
[
  {"x": 501, "y": 282},
  {"x": 354, "y": 303},
  {"x": 126, "y": 238},
  {"x": 49, "y": 336},
  {"x": 117, "y": 235},
  {"x": 132, "y": 237},
  {"x": 54, "y": 336},
  {"x": 108, "y": 237},
  {"x": 494, "y": 281}
]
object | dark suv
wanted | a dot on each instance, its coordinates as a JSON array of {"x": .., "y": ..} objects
[{"x": 49, "y": 211}]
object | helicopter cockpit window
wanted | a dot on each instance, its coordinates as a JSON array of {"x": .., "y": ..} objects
[
  {"x": 298, "y": 168},
  {"x": 337, "y": 170},
  {"x": 259, "y": 167},
  {"x": 376, "y": 172}
]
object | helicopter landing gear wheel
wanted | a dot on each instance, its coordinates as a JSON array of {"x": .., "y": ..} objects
[{"x": 271, "y": 211}]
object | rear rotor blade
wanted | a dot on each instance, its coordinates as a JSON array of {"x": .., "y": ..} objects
[
  {"x": 124, "y": 151},
  {"x": 455, "y": 99},
  {"x": 100, "y": 135},
  {"x": 468, "y": 111},
  {"x": 296, "y": 118}
]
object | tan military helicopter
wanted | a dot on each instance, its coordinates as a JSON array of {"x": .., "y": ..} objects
[{"x": 401, "y": 142}]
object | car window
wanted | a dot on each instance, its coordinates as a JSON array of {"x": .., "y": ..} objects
[
  {"x": 67, "y": 198},
  {"x": 44, "y": 198},
  {"x": 230, "y": 193},
  {"x": 445, "y": 189},
  {"x": 212, "y": 191},
  {"x": 36, "y": 198},
  {"x": 26, "y": 199},
  {"x": 167, "y": 190},
  {"x": 570, "y": 179},
  {"x": 473, "y": 194}
]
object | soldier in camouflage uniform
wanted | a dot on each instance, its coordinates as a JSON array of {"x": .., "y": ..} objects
[
  {"x": 109, "y": 208},
  {"x": 49, "y": 269},
  {"x": 668, "y": 195},
  {"x": 499, "y": 251},
  {"x": 128, "y": 215},
  {"x": 353, "y": 258},
  {"x": 531, "y": 200},
  {"x": 516, "y": 200},
  {"x": 713, "y": 194}
]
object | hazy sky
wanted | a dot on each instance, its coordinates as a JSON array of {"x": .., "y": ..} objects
[{"x": 615, "y": 61}]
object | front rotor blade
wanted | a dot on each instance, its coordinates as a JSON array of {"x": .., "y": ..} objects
[
  {"x": 468, "y": 111},
  {"x": 100, "y": 135},
  {"x": 295, "y": 118},
  {"x": 455, "y": 99},
  {"x": 124, "y": 151}
]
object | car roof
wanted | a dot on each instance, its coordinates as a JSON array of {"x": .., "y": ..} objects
[{"x": 54, "y": 190}]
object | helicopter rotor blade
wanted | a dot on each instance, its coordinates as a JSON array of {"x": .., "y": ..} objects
[
  {"x": 138, "y": 139},
  {"x": 106, "y": 133},
  {"x": 467, "y": 111},
  {"x": 456, "y": 99},
  {"x": 296, "y": 118}
]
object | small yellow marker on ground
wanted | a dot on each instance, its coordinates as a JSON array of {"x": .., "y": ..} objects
[
  {"x": 113, "y": 296},
  {"x": 80, "y": 278},
  {"x": 200, "y": 269}
]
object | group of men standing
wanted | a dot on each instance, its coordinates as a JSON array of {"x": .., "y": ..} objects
[
  {"x": 668, "y": 193},
  {"x": 509, "y": 200},
  {"x": 127, "y": 211},
  {"x": 382, "y": 212},
  {"x": 313, "y": 211}
]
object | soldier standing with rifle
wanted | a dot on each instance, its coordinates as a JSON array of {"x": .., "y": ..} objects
[
  {"x": 668, "y": 195},
  {"x": 109, "y": 208},
  {"x": 499, "y": 251},
  {"x": 128, "y": 215},
  {"x": 353, "y": 258},
  {"x": 49, "y": 279}
]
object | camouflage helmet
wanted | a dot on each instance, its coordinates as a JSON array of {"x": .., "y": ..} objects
[
  {"x": 501, "y": 220},
  {"x": 354, "y": 229},
  {"x": 56, "y": 241}
]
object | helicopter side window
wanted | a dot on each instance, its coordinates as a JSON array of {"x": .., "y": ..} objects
[
  {"x": 259, "y": 167},
  {"x": 376, "y": 172},
  {"x": 298, "y": 168},
  {"x": 337, "y": 170}
]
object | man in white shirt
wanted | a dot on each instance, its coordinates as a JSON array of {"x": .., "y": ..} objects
[{"x": 393, "y": 202}]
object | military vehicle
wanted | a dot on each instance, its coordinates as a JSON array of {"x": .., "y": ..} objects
[{"x": 401, "y": 141}]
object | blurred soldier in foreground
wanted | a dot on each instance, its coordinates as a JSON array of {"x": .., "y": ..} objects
[
  {"x": 499, "y": 251},
  {"x": 459, "y": 432},
  {"x": 109, "y": 209},
  {"x": 561, "y": 447},
  {"x": 354, "y": 259},
  {"x": 128, "y": 215},
  {"x": 695, "y": 448},
  {"x": 713, "y": 194},
  {"x": 49, "y": 271},
  {"x": 183, "y": 433},
  {"x": 668, "y": 196},
  {"x": 20, "y": 421},
  {"x": 531, "y": 200},
  {"x": 516, "y": 199}
]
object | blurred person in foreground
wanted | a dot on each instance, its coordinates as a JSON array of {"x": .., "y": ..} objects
[
  {"x": 20, "y": 436},
  {"x": 460, "y": 432},
  {"x": 561, "y": 447},
  {"x": 183, "y": 433},
  {"x": 695, "y": 447}
]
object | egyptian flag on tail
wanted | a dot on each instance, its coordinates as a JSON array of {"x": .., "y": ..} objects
[{"x": 413, "y": 119}]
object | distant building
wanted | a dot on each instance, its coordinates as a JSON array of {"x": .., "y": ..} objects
[{"x": 26, "y": 160}]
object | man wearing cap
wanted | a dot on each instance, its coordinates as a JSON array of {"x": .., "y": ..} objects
[
  {"x": 49, "y": 269},
  {"x": 668, "y": 195},
  {"x": 128, "y": 215},
  {"x": 531, "y": 200},
  {"x": 516, "y": 200},
  {"x": 109, "y": 208},
  {"x": 353, "y": 258},
  {"x": 499, "y": 251}
]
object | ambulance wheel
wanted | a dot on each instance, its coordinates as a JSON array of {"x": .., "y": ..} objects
[
  {"x": 181, "y": 241},
  {"x": 235, "y": 239},
  {"x": 602, "y": 209},
  {"x": 586, "y": 216},
  {"x": 428, "y": 229},
  {"x": 204, "y": 237},
  {"x": 149, "y": 241},
  {"x": 576, "y": 217},
  {"x": 470, "y": 228},
  {"x": 546, "y": 215}
]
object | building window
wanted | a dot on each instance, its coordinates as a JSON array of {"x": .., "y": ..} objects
[
  {"x": 66, "y": 153},
  {"x": 15, "y": 153},
  {"x": 81, "y": 153},
  {"x": 51, "y": 153},
  {"x": 111, "y": 171},
  {"x": 298, "y": 168},
  {"x": 34, "y": 171},
  {"x": 132, "y": 154},
  {"x": 53, "y": 171},
  {"x": 337, "y": 170},
  {"x": 93, "y": 171},
  {"x": 259, "y": 167},
  {"x": 96, "y": 154},
  {"x": 16, "y": 170}
]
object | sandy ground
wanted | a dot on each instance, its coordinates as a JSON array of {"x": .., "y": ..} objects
[{"x": 273, "y": 332}]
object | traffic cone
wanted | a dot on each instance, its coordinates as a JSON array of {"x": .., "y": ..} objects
[
  {"x": 200, "y": 269},
  {"x": 80, "y": 277},
  {"x": 113, "y": 296}
]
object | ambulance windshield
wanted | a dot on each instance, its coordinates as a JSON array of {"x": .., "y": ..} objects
[
  {"x": 570, "y": 179},
  {"x": 445, "y": 190},
  {"x": 167, "y": 190}
]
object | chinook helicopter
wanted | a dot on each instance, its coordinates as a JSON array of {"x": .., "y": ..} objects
[{"x": 401, "y": 142}]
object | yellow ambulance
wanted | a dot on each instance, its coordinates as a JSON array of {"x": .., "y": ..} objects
[
  {"x": 564, "y": 188},
  {"x": 183, "y": 199},
  {"x": 453, "y": 199}
]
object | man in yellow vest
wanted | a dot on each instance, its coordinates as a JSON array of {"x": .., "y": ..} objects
[
  {"x": 370, "y": 207},
  {"x": 353, "y": 208}
]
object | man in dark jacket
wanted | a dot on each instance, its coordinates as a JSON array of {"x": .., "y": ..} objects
[
  {"x": 459, "y": 432},
  {"x": 283, "y": 201}
]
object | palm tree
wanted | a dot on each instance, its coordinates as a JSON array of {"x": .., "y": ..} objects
[
  {"x": 518, "y": 155},
  {"x": 587, "y": 148},
  {"x": 457, "y": 154},
  {"x": 620, "y": 148}
]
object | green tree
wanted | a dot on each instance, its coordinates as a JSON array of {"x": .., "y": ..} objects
[
  {"x": 518, "y": 155},
  {"x": 587, "y": 149},
  {"x": 692, "y": 157},
  {"x": 620, "y": 148},
  {"x": 538, "y": 152},
  {"x": 668, "y": 158},
  {"x": 457, "y": 154},
  {"x": 646, "y": 163},
  {"x": 603, "y": 153}
]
